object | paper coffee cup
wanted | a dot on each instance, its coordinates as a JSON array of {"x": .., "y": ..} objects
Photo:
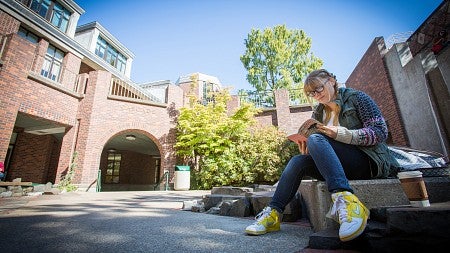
[{"x": 414, "y": 187}]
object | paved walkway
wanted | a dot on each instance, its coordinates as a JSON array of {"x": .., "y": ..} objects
[{"x": 131, "y": 222}]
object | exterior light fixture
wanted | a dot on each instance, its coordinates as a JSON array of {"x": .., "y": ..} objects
[
  {"x": 130, "y": 137},
  {"x": 111, "y": 150}
]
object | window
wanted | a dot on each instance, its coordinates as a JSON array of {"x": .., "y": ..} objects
[
  {"x": 52, "y": 63},
  {"x": 108, "y": 53},
  {"x": 121, "y": 63},
  {"x": 52, "y": 11},
  {"x": 208, "y": 92},
  {"x": 113, "y": 169},
  {"x": 60, "y": 17},
  {"x": 24, "y": 33},
  {"x": 100, "y": 49},
  {"x": 111, "y": 56}
]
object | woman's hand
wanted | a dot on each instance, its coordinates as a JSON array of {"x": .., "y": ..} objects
[
  {"x": 302, "y": 147},
  {"x": 330, "y": 131}
]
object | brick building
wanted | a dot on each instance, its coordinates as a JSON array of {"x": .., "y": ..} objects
[
  {"x": 411, "y": 84},
  {"x": 66, "y": 90}
]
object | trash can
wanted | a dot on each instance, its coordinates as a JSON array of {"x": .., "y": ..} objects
[{"x": 182, "y": 178}]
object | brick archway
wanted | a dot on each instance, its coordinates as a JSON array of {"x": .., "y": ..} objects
[{"x": 130, "y": 160}]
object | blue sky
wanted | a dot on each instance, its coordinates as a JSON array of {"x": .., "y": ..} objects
[{"x": 171, "y": 38}]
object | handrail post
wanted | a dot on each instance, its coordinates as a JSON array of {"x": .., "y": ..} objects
[
  {"x": 99, "y": 181},
  {"x": 167, "y": 180}
]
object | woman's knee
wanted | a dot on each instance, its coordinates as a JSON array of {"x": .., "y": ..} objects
[
  {"x": 296, "y": 163},
  {"x": 315, "y": 141}
]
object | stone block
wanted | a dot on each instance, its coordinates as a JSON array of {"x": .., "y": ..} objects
[
  {"x": 213, "y": 200},
  {"x": 373, "y": 193},
  {"x": 230, "y": 190},
  {"x": 259, "y": 200},
  {"x": 189, "y": 204},
  {"x": 6, "y": 194},
  {"x": 240, "y": 208},
  {"x": 438, "y": 189},
  {"x": 328, "y": 239},
  {"x": 432, "y": 221},
  {"x": 292, "y": 212},
  {"x": 317, "y": 200},
  {"x": 265, "y": 188},
  {"x": 39, "y": 188},
  {"x": 48, "y": 186}
]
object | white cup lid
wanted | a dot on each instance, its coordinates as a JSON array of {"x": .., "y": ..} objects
[{"x": 409, "y": 174}]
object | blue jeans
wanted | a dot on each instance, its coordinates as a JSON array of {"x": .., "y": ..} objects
[{"x": 329, "y": 160}]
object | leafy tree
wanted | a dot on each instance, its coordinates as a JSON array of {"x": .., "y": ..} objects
[
  {"x": 228, "y": 149},
  {"x": 278, "y": 58},
  {"x": 207, "y": 132}
]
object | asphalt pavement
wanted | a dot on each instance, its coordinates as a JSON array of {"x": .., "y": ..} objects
[{"x": 145, "y": 221}]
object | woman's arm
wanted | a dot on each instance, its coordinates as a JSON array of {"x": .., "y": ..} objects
[{"x": 374, "y": 129}]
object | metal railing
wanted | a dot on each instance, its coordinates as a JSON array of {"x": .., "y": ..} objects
[
  {"x": 99, "y": 181},
  {"x": 123, "y": 89},
  {"x": 266, "y": 99},
  {"x": 263, "y": 99},
  {"x": 164, "y": 177},
  {"x": 397, "y": 38}
]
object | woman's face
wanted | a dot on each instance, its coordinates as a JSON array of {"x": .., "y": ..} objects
[{"x": 324, "y": 93}]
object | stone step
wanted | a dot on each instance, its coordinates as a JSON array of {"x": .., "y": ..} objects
[
  {"x": 433, "y": 220},
  {"x": 407, "y": 229},
  {"x": 373, "y": 193}
]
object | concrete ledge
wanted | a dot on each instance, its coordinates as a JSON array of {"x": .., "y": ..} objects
[{"x": 373, "y": 193}]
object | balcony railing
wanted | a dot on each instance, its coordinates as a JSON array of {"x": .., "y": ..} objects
[
  {"x": 121, "y": 88},
  {"x": 397, "y": 38},
  {"x": 266, "y": 99},
  {"x": 263, "y": 99}
]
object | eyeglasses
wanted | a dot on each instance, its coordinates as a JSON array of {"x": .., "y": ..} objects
[{"x": 315, "y": 92}]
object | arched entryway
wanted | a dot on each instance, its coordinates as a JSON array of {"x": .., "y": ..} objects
[{"x": 130, "y": 161}]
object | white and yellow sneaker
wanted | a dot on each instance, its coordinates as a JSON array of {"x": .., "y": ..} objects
[
  {"x": 268, "y": 220},
  {"x": 350, "y": 213}
]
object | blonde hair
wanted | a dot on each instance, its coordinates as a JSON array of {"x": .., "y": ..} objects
[{"x": 318, "y": 78}]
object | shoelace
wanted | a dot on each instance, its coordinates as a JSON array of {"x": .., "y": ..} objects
[
  {"x": 263, "y": 214},
  {"x": 339, "y": 207}
]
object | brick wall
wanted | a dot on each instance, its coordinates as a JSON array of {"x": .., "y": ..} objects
[
  {"x": 32, "y": 157},
  {"x": 102, "y": 118},
  {"x": 21, "y": 94},
  {"x": 370, "y": 76},
  {"x": 422, "y": 38},
  {"x": 135, "y": 168},
  {"x": 8, "y": 24}
]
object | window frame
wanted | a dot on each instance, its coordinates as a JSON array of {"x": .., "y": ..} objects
[
  {"x": 49, "y": 10},
  {"x": 52, "y": 66},
  {"x": 26, "y": 34},
  {"x": 113, "y": 165},
  {"x": 110, "y": 54}
]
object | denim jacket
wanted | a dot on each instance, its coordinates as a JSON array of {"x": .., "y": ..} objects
[{"x": 386, "y": 165}]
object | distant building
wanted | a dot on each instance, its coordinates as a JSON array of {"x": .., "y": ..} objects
[{"x": 200, "y": 85}]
